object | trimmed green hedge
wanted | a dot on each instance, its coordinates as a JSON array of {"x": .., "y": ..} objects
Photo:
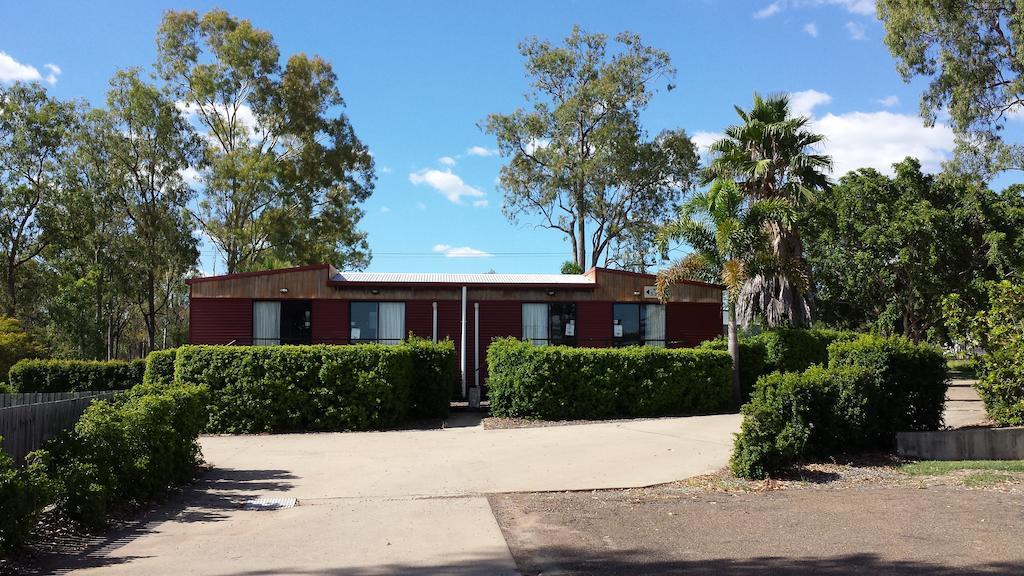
[
  {"x": 433, "y": 368},
  {"x": 128, "y": 450},
  {"x": 75, "y": 375},
  {"x": 872, "y": 388},
  {"x": 292, "y": 388},
  {"x": 160, "y": 367},
  {"x": 22, "y": 497},
  {"x": 563, "y": 383},
  {"x": 797, "y": 349},
  {"x": 753, "y": 361}
]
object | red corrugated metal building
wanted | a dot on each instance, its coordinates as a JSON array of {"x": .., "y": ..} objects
[{"x": 318, "y": 304}]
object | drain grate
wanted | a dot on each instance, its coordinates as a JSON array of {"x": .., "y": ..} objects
[{"x": 264, "y": 503}]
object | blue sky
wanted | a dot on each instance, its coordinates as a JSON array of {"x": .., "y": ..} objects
[{"x": 417, "y": 78}]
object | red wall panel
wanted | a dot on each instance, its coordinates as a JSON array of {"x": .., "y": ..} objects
[
  {"x": 497, "y": 319},
  {"x": 330, "y": 321},
  {"x": 690, "y": 323},
  {"x": 220, "y": 321},
  {"x": 594, "y": 324},
  {"x": 419, "y": 318}
]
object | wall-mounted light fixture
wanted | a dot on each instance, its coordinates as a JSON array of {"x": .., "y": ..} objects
[
  {"x": 636, "y": 292},
  {"x": 551, "y": 292},
  {"x": 283, "y": 290},
  {"x": 374, "y": 291}
]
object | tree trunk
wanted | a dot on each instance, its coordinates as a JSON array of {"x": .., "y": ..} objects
[
  {"x": 777, "y": 299},
  {"x": 11, "y": 306},
  {"x": 734, "y": 352},
  {"x": 581, "y": 244},
  {"x": 151, "y": 309}
]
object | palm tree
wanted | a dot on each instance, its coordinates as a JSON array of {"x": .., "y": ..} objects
[
  {"x": 728, "y": 234},
  {"x": 771, "y": 157}
]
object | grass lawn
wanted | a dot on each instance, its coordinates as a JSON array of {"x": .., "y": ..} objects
[
  {"x": 963, "y": 368},
  {"x": 940, "y": 467}
]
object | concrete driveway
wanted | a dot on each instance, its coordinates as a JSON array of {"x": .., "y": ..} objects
[{"x": 394, "y": 502}]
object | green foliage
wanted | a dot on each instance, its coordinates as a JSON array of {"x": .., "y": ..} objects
[
  {"x": 886, "y": 250},
  {"x": 557, "y": 382},
  {"x": 872, "y": 388},
  {"x": 75, "y": 375},
  {"x": 940, "y": 467},
  {"x": 433, "y": 367},
  {"x": 999, "y": 330},
  {"x": 22, "y": 497},
  {"x": 16, "y": 345},
  {"x": 570, "y": 267},
  {"x": 125, "y": 451},
  {"x": 160, "y": 367},
  {"x": 286, "y": 388},
  {"x": 596, "y": 178}
]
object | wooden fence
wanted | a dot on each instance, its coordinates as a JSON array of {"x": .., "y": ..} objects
[{"x": 28, "y": 420}]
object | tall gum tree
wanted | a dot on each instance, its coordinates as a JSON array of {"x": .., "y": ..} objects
[
  {"x": 284, "y": 172},
  {"x": 577, "y": 156}
]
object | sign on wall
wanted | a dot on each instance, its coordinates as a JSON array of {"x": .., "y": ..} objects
[{"x": 650, "y": 292}]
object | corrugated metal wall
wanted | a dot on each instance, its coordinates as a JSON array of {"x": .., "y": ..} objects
[
  {"x": 220, "y": 320},
  {"x": 330, "y": 322},
  {"x": 691, "y": 323},
  {"x": 497, "y": 319},
  {"x": 594, "y": 324}
]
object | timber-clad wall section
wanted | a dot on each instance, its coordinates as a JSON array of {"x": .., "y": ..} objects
[
  {"x": 28, "y": 420},
  {"x": 312, "y": 283}
]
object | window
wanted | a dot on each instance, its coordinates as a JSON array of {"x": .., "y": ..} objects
[
  {"x": 282, "y": 322},
  {"x": 382, "y": 322},
  {"x": 638, "y": 325},
  {"x": 550, "y": 324}
]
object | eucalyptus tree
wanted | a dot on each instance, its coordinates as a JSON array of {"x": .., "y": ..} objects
[
  {"x": 970, "y": 53},
  {"x": 727, "y": 233},
  {"x": 151, "y": 144},
  {"x": 771, "y": 156},
  {"x": 579, "y": 159},
  {"x": 34, "y": 143},
  {"x": 284, "y": 172}
]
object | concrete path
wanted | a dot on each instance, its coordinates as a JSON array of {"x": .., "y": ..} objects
[
  {"x": 410, "y": 502},
  {"x": 963, "y": 405}
]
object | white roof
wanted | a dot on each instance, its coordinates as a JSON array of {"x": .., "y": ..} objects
[{"x": 440, "y": 278}]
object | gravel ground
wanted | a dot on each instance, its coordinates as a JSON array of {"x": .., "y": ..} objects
[{"x": 861, "y": 517}]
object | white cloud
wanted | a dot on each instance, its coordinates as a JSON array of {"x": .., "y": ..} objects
[
  {"x": 889, "y": 101},
  {"x": 811, "y": 29},
  {"x": 54, "y": 70},
  {"x": 480, "y": 203},
  {"x": 421, "y": 205},
  {"x": 769, "y": 10},
  {"x": 13, "y": 71},
  {"x": 190, "y": 175},
  {"x": 385, "y": 170},
  {"x": 705, "y": 139},
  {"x": 460, "y": 251},
  {"x": 803, "y": 103},
  {"x": 385, "y": 209},
  {"x": 879, "y": 139},
  {"x": 861, "y": 7},
  {"x": 856, "y": 30},
  {"x": 447, "y": 160},
  {"x": 480, "y": 151},
  {"x": 447, "y": 183},
  {"x": 244, "y": 116}
]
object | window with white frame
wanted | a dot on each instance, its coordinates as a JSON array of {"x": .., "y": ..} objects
[
  {"x": 282, "y": 322},
  {"x": 638, "y": 325},
  {"x": 550, "y": 323},
  {"x": 382, "y": 322}
]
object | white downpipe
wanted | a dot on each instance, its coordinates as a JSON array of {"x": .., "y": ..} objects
[
  {"x": 433, "y": 333},
  {"x": 462, "y": 347},
  {"x": 476, "y": 344}
]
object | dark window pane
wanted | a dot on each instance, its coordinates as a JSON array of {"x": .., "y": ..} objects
[
  {"x": 563, "y": 324},
  {"x": 363, "y": 321},
  {"x": 296, "y": 322},
  {"x": 626, "y": 329}
]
